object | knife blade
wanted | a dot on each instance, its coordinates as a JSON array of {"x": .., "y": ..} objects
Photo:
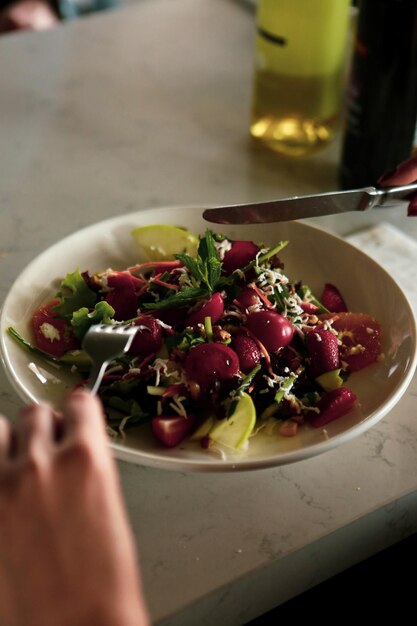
[{"x": 299, "y": 207}]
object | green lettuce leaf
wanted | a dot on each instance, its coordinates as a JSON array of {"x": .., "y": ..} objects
[
  {"x": 74, "y": 294},
  {"x": 83, "y": 318}
]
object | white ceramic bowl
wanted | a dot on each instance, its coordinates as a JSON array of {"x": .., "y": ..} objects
[{"x": 313, "y": 256}]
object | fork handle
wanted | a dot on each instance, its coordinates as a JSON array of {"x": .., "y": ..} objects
[{"x": 96, "y": 376}]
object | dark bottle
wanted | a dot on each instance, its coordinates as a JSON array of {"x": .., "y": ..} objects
[{"x": 382, "y": 95}]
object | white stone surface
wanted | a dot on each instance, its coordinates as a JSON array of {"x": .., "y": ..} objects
[{"x": 149, "y": 106}]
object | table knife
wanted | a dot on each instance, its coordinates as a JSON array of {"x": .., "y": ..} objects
[{"x": 299, "y": 207}]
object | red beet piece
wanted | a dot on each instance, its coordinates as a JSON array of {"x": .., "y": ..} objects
[
  {"x": 323, "y": 350},
  {"x": 248, "y": 297},
  {"x": 52, "y": 335},
  {"x": 210, "y": 362},
  {"x": 332, "y": 405},
  {"x": 148, "y": 340},
  {"x": 273, "y": 330},
  {"x": 122, "y": 296},
  {"x": 332, "y": 299},
  {"x": 240, "y": 254},
  {"x": 171, "y": 430},
  {"x": 212, "y": 307},
  {"x": 247, "y": 351}
]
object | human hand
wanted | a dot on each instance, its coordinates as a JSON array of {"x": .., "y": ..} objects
[
  {"x": 403, "y": 174},
  {"x": 27, "y": 15},
  {"x": 67, "y": 555}
]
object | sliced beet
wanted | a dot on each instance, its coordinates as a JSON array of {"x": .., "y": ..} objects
[{"x": 171, "y": 430}]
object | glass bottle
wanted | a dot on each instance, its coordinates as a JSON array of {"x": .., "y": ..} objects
[
  {"x": 300, "y": 53},
  {"x": 382, "y": 93}
]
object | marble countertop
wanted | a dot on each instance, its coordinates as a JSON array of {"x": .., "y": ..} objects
[{"x": 149, "y": 106}]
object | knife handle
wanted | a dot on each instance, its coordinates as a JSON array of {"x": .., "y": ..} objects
[{"x": 389, "y": 196}]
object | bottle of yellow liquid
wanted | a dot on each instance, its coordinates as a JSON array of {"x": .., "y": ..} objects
[{"x": 299, "y": 68}]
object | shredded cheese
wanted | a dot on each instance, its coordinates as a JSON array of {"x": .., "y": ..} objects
[{"x": 50, "y": 332}]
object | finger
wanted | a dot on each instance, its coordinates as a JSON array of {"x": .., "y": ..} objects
[
  {"x": 403, "y": 174},
  {"x": 83, "y": 417},
  {"x": 31, "y": 15},
  {"x": 5, "y": 439},
  {"x": 34, "y": 430}
]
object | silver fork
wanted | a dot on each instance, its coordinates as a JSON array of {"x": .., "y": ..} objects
[{"x": 103, "y": 343}]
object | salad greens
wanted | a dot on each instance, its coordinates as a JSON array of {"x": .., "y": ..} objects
[{"x": 224, "y": 327}]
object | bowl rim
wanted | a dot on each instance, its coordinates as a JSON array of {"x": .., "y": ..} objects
[{"x": 150, "y": 459}]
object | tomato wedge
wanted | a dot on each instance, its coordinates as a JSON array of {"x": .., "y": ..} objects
[
  {"x": 52, "y": 335},
  {"x": 360, "y": 336}
]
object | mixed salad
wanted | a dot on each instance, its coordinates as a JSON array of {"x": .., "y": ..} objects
[{"x": 226, "y": 343}]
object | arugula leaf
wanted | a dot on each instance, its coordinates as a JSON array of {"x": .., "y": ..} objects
[
  {"x": 305, "y": 292},
  {"x": 184, "y": 341},
  {"x": 285, "y": 387},
  {"x": 183, "y": 298},
  {"x": 206, "y": 247},
  {"x": 247, "y": 380},
  {"x": 83, "y": 318},
  {"x": 230, "y": 403},
  {"x": 208, "y": 253},
  {"x": 74, "y": 294},
  {"x": 205, "y": 273},
  {"x": 273, "y": 251},
  {"x": 73, "y": 357},
  {"x": 207, "y": 267},
  {"x": 264, "y": 257},
  {"x": 214, "y": 270},
  {"x": 129, "y": 412},
  {"x": 195, "y": 267},
  {"x": 280, "y": 297}
]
